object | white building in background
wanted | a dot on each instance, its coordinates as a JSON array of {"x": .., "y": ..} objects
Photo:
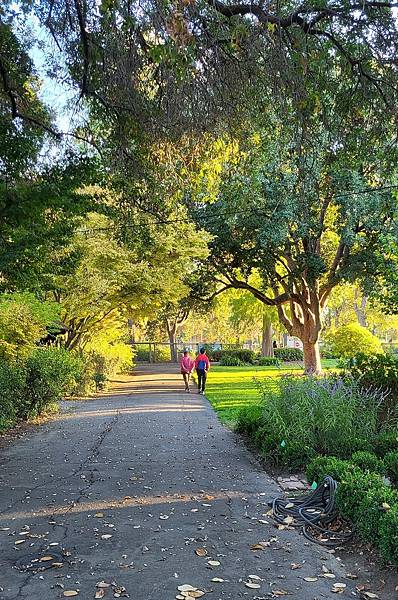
[{"x": 290, "y": 341}]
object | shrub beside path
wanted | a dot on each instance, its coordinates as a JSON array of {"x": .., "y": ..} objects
[{"x": 143, "y": 489}]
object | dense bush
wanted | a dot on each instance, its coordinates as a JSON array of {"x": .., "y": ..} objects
[
  {"x": 289, "y": 354},
  {"x": 12, "y": 390},
  {"x": 160, "y": 354},
  {"x": 29, "y": 386},
  {"x": 231, "y": 360},
  {"x": 268, "y": 361},
  {"x": 372, "y": 509},
  {"x": 250, "y": 419},
  {"x": 321, "y": 466},
  {"x": 367, "y": 461},
  {"x": 388, "y": 535},
  {"x": 245, "y": 356},
  {"x": 51, "y": 373},
  {"x": 352, "y": 491},
  {"x": 214, "y": 355},
  {"x": 23, "y": 322},
  {"x": 348, "y": 340},
  {"x": 380, "y": 371},
  {"x": 328, "y": 415},
  {"x": 391, "y": 466},
  {"x": 386, "y": 441}
]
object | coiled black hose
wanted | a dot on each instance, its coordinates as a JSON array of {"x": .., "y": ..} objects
[{"x": 314, "y": 513}]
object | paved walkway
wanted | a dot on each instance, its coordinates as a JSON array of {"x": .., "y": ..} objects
[{"x": 123, "y": 489}]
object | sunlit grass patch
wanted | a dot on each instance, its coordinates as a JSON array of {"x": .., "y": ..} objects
[{"x": 231, "y": 388}]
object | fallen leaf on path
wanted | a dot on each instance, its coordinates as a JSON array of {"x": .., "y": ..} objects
[
  {"x": 259, "y": 546},
  {"x": 338, "y": 588},
  {"x": 289, "y": 505},
  {"x": 214, "y": 563},
  {"x": 70, "y": 593},
  {"x": 201, "y": 552},
  {"x": 46, "y": 558},
  {"x": 255, "y": 577},
  {"x": 57, "y": 564},
  {"x": 99, "y": 593},
  {"x": 252, "y": 586},
  {"x": 102, "y": 584},
  {"x": 280, "y": 593},
  {"x": 325, "y": 569},
  {"x": 19, "y": 542},
  {"x": 106, "y": 536},
  {"x": 186, "y": 588},
  {"x": 288, "y": 520},
  {"x": 351, "y": 576},
  {"x": 217, "y": 579},
  {"x": 369, "y": 595},
  {"x": 329, "y": 575},
  {"x": 311, "y": 579},
  {"x": 99, "y": 515},
  {"x": 296, "y": 566}
]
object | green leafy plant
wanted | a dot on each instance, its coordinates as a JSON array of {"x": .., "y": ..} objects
[
  {"x": 388, "y": 535},
  {"x": 289, "y": 354},
  {"x": 231, "y": 360},
  {"x": 269, "y": 361},
  {"x": 379, "y": 371},
  {"x": 329, "y": 415},
  {"x": 51, "y": 373},
  {"x": 321, "y": 466},
  {"x": 391, "y": 466},
  {"x": 385, "y": 442},
  {"x": 372, "y": 508},
  {"x": 348, "y": 340},
  {"x": 367, "y": 461},
  {"x": 250, "y": 419},
  {"x": 12, "y": 393},
  {"x": 352, "y": 491}
]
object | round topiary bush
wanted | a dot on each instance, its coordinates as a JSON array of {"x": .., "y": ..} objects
[
  {"x": 388, "y": 536},
  {"x": 372, "y": 509},
  {"x": 391, "y": 466},
  {"x": 349, "y": 340},
  {"x": 367, "y": 461}
]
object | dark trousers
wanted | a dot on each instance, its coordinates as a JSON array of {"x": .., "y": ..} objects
[{"x": 202, "y": 376}]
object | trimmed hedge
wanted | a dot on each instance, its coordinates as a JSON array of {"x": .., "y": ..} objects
[
  {"x": 388, "y": 536},
  {"x": 391, "y": 466},
  {"x": 289, "y": 354},
  {"x": 367, "y": 461},
  {"x": 230, "y": 360},
  {"x": 269, "y": 361},
  {"x": 365, "y": 499}
]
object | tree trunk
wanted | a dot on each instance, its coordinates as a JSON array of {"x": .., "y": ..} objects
[
  {"x": 171, "y": 332},
  {"x": 312, "y": 358},
  {"x": 359, "y": 309},
  {"x": 266, "y": 343}
]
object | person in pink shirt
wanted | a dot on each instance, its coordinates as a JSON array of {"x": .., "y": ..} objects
[
  {"x": 187, "y": 365},
  {"x": 202, "y": 365}
]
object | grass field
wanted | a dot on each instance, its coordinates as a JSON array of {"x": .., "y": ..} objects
[{"x": 230, "y": 388}]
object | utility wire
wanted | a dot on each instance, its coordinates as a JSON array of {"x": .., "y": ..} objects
[{"x": 226, "y": 213}]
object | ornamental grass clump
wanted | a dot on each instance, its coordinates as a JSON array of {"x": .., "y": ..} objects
[{"x": 327, "y": 415}]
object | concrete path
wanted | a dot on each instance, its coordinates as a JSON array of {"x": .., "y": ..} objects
[{"x": 123, "y": 489}]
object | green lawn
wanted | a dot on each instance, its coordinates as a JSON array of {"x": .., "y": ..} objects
[{"x": 230, "y": 388}]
